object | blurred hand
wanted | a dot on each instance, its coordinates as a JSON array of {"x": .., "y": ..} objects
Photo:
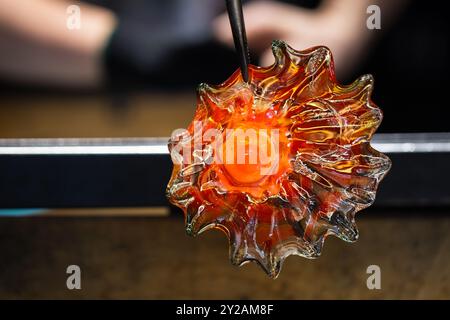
[
  {"x": 339, "y": 25},
  {"x": 36, "y": 47}
]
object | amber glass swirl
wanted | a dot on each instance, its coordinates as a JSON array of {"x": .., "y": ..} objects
[{"x": 326, "y": 168}]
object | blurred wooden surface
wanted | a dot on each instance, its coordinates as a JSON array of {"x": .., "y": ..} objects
[
  {"x": 81, "y": 116},
  {"x": 152, "y": 258}
]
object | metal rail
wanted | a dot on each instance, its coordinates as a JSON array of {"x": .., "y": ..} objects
[{"x": 383, "y": 142}]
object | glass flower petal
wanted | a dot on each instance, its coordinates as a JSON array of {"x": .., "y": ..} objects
[{"x": 321, "y": 171}]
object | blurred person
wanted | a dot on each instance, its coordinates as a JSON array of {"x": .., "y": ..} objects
[
  {"x": 36, "y": 46},
  {"x": 337, "y": 24},
  {"x": 177, "y": 43},
  {"x": 141, "y": 36}
]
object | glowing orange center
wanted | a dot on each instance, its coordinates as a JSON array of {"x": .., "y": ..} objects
[{"x": 249, "y": 155}]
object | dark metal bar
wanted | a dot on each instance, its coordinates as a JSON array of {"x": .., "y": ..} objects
[
  {"x": 384, "y": 142},
  {"x": 234, "y": 8},
  {"x": 134, "y": 172}
]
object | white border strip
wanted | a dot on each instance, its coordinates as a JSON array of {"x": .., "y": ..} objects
[
  {"x": 388, "y": 143},
  {"x": 409, "y": 147},
  {"x": 83, "y": 150}
]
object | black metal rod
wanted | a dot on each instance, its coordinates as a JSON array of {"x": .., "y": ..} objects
[
  {"x": 234, "y": 8},
  {"x": 44, "y": 173}
]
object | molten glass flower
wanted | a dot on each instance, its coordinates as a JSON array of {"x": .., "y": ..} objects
[{"x": 299, "y": 164}]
